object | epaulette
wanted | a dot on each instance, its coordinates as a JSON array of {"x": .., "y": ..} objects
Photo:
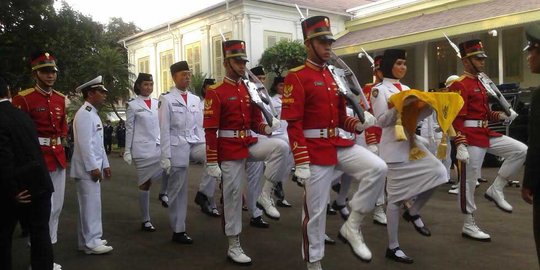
[
  {"x": 26, "y": 92},
  {"x": 297, "y": 68},
  {"x": 377, "y": 84},
  {"x": 131, "y": 99},
  {"x": 165, "y": 93},
  {"x": 214, "y": 86},
  {"x": 60, "y": 94},
  {"x": 88, "y": 108}
]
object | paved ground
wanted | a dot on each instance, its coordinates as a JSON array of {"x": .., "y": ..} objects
[{"x": 512, "y": 245}]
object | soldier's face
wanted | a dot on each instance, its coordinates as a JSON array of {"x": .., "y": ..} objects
[
  {"x": 146, "y": 88},
  {"x": 321, "y": 48},
  {"x": 533, "y": 60},
  {"x": 182, "y": 79},
  {"x": 97, "y": 97},
  {"x": 280, "y": 87},
  {"x": 474, "y": 65},
  {"x": 234, "y": 67},
  {"x": 400, "y": 68},
  {"x": 46, "y": 77},
  {"x": 262, "y": 78}
]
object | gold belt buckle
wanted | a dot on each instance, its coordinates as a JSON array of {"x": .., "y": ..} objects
[
  {"x": 331, "y": 132},
  {"x": 53, "y": 141},
  {"x": 484, "y": 124},
  {"x": 242, "y": 134}
]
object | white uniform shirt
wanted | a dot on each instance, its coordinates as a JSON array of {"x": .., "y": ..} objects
[
  {"x": 142, "y": 128},
  {"x": 178, "y": 125},
  {"x": 89, "y": 153},
  {"x": 282, "y": 131}
]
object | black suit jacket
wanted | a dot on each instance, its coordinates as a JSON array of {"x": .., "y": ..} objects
[
  {"x": 531, "y": 178},
  {"x": 21, "y": 161}
]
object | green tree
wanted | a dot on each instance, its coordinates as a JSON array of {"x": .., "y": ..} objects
[{"x": 283, "y": 56}]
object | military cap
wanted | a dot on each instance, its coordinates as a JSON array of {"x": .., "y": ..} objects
[
  {"x": 532, "y": 32},
  {"x": 141, "y": 78},
  {"x": 258, "y": 71},
  {"x": 43, "y": 60},
  {"x": 389, "y": 59},
  {"x": 279, "y": 79},
  {"x": 472, "y": 48},
  {"x": 377, "y": 62},
  {"x": 317, "y": 27},
  {"x": 234, "y": 49},
  {"x": 209, "y": 82},
  {"x": 179, "y": 66},
  {"x": 97, "y": 82}
]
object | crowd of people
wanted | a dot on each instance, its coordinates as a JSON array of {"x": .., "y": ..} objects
[{"x": 306, "y": 129}]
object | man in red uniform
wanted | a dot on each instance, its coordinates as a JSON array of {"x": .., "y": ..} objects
[
  {"x": 474, "y": 139},
  {"x": 47, "y": 108},
  {"x": 229, "y": 117},
  {"x": 314, "y": 111}
]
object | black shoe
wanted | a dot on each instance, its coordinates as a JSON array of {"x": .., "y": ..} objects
[
  {"x": 258, "y": 222},
  {"x": 391, "y": 254},
  {"x": 147, "y": 227},
  {"x": 328, "y": 240},
  {"x": 422, "y": 230},
  {"x": 295, "y": 179},
  {"x": 215, "y": 213},
  {"x": 337, "y": 187},
  {"x": 338, "y": 208},
  {"x": 182, "y": 238},
  {"x": 163, "y": 202},
  {"x": 330, "y": 211},
  {"x": 204, "y": 203},
  {"x": 283, "y": 203},
  {"x": 278, "y": 191},
  {"x": 482, "y": 180}
]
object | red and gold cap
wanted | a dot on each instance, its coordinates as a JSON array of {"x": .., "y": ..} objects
[
  {"x": 234, "y": 49},
  {"x": 472, "y": 48},
  {"x": 377, "y": 62},
  {"x": 43, "y": 60},
  {"x": 317, "y": 27}
]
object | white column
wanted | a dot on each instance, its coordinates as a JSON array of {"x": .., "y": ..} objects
[
  {"x": 426, "y": 65},
  {"x": 501, "y": 57}
]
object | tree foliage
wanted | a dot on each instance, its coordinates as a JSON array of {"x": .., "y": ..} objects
[{"x": 283, "y": 56}]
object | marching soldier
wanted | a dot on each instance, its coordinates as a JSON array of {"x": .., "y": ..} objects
[
  {"x": 142, "y": 142},
  {"x": 47, "y": 108},
  {"x": 229, "y": 117},
  {"x": 89, "y": 166},
  {"x": 406, "y": 178},
  {"x": 474, "y": 139},
  {"x": 314, "y": 110}
]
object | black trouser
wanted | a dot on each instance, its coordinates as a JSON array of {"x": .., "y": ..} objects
[
  {"x": 37, "y": 214},
  {"x": 536, "y": 222}
]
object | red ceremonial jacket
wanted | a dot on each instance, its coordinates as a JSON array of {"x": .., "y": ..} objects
[
  {"x": 475, "y": 107},
  {"x": 373, "y": 133},
  {"x": 311, "y": 101},
  {"x": 227, "y": 106},
  {"x": 48, "y": 111}
]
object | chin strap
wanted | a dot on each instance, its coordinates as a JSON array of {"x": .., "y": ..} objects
[
  {"x": 315, "y": 51},
  {"x": 234, "y": 70}
]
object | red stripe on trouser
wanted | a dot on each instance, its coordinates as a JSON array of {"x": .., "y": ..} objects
[
  {"x": 222, "y": 204},
  {"x": 305, "y": 240},
  {"x": 462, "y": 178}
]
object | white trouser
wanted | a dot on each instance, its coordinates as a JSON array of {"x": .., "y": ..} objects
[
  {"x": 89, "y": 227},
  {"x": 208, "y": 183},
  {"x": 177, "y": 189},
  {"x": 363, "y": 166},
  {"x": 255, "y": 183},
  {"x": 58, "y": 178},
  {"x": 513, "y": 152},
  {"x": 271, "y": 151}
]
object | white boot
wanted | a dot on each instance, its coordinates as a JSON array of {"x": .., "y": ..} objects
[
  {"x": 495, "y": 194},
  {"x": 314, "y": 265},
  {"x": 350, "y": 233},
  {"x": 379, "y": 216},
  {"x": 235, "y": 252},
  {"x": 266, "y": 202},
  {"x": 471, "y": 230}
]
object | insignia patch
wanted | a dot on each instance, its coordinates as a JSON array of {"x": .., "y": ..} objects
[
  {"x": 177, "y": 104},
  {"x": 140, "y": 110},
  {"x": 375, "y": 93},
  {"x": 476, "y": 90},
  {"x": 207, "y": 104},
  {"x": 88, "y": 108},
  {"x": 287, "y": 91},
  {"x": 319, "y": 83},
  {"x": 41, "y": 109},
  {"x": 232, "y": 98}
]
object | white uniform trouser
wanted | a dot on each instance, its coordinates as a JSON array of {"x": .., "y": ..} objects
[
  {"x": 513, "y": 152},
  {"x": 89, "y": 227},
  {"x": 255, "y": 181},
  {"x": 365, "y": 167},
  {"x": 177, "y": 189},
  {"x": 271, "y": 151},
  {"x": 208, "y": 183},
  {"x": 58, "y": 178}
]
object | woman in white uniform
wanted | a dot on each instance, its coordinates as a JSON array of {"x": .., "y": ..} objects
[
  {"x": 142, "y": 142},
  {"x": 406, "y": 178}
]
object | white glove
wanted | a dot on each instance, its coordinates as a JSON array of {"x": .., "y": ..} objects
[
  {"x": 127, "y": 157},
  {"x": 302, "y": 172},
  {"x": 373, "y": 148},
  {"x": 213, "y": 170},
  {"x": 462, "y": 154},
  {"x": 166, "y": 165},
  {"x": 370, "y": 120},
  {"x": 276, "y": 124},
  {"x": 512, "y": 117}
]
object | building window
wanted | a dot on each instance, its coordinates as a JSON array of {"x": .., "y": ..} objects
[
  {"x": 513, "y": 55},
  {"x": 442, "y": 62},
  {"x": 143, "y": 65},
  {"x": 165, "y": 62},
  {"x": 271, "y": 38},
  {"x": 219, "y": 70},
  {"x": 193, "y": 56}
]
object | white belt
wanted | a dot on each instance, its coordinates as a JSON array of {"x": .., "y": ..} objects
[
  {"x": 321, "y": 133},
  {"x": 476, "y": 123},
  {"x": 49, "y": 141},
  {"x": 234, "y": 133}
]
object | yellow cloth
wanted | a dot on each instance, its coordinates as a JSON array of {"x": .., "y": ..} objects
[{"x": 447, "y": 106}]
